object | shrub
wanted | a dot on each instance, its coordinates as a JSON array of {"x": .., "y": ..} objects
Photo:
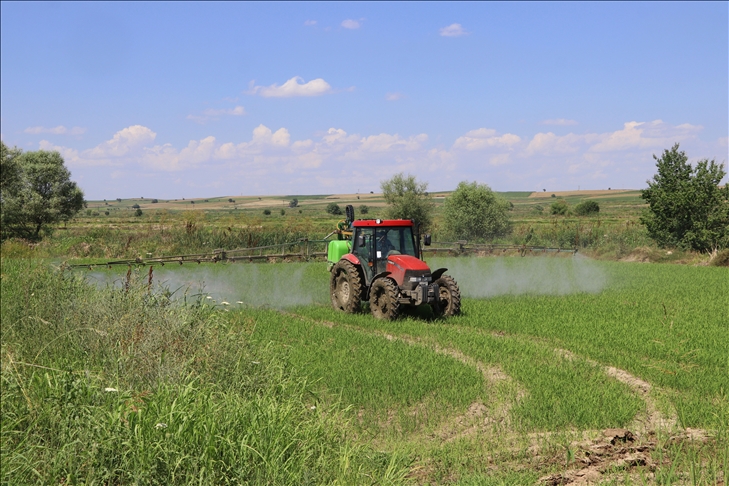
[
  {"x": 333, "y": 208},
  {"x": 364, "y": 209},
  {"x": 475, "y": 211},
  {"x": 267, "y": 212},
  {"x": 135, "y": 206},
  {"x": 138, "y": 212},
  {"x": 559, "y": 207},
  {"x": 293, "y": 203},
  {"x": 154, "y": 201},
  {"x": 586, "y": 208},
  {"x": 283, "y": 212}
]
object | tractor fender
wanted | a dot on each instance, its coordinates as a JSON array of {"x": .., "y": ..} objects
[
  {"x": 351, "y": 258},
  {"x": 438, "y": 273},
  {"x": 381, "y": 274}
]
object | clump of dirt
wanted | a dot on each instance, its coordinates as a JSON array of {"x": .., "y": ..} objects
[{"x": 617, "y": 450}]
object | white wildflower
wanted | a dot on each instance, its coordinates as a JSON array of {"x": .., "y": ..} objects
[
  {"x": 110, "y": 390},
  {"x": 225, "y": 303},
  {"x": 239, "y": 302},
  {"x": 256, "y": 362},
  {"x": 313, "y": 407},
  {"x": 160, "y": 426},
  {"x": 208, "y": 297}
]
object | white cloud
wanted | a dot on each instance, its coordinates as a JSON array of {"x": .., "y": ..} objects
[
  {"x": 291, "y": 88},
  {"x": 484, "y": 138},
  {"x": 645, "y": 135},
  {"x": 559, "y": 121},
  {"x": 263, "y": 135},
  {"x": 350, "y": 24},
  {"x": 453, "y": 30},
  {"x": 310, "y": 22},
  {"x": 167, "y": 158},
  {"x": 270, "y": 160},
  {"x": 633, "y": 136},
  {"x": 393, "y": 96},
  {"x": 70, "y": 156},
  {"x": 59, "y": 130},
  {"x": 385, "y": 142},
  {"x": 122, "y": 143},
  {"x": 551, "y": 144},
  {"x": 338, "y": 137}
]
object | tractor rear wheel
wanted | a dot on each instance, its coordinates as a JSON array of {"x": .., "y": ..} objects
[
  {"x": 346, "y": 287},
  {"x": 384, "y": 299},
  {"x": 449, "y": 299}
]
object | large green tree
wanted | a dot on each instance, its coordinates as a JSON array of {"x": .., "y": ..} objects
[
  {"x": 687, "y": 208},
  {"x": 36, "y": 192},
  {"x": 408, "y": 199},
  {"x": 474, "y": 211}
]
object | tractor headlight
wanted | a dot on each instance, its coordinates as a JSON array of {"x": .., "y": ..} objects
[{"x": 420, "y": 279}]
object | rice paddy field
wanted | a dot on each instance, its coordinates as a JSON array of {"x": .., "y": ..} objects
[{"x": 560, "y": 370}]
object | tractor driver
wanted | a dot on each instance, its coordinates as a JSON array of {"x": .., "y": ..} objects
[{"x": 384, "y": 244}]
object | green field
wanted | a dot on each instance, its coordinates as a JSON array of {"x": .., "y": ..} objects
[{"x": 264, "y": 383}]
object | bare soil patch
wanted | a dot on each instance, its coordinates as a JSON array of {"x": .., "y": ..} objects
[{"x": 596, "y": 192}]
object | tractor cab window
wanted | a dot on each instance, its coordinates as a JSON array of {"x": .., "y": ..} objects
[
  {"x": 363, "y": 248},
  {"x": 395, "y": 241}
]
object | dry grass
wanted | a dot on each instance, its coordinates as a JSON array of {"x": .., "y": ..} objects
[{"x": 591, "y": 193}]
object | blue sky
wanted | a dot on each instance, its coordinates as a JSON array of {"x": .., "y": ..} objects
[{"x": 174, "y": 100}]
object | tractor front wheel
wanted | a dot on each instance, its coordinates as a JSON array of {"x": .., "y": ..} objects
[
  {"x": 384, "y": 299},
  {"x": 449, "y": 298},
  {"x": 346, "y": 287}
]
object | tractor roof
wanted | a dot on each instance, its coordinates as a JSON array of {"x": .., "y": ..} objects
[{"x": 390, "y": 223}]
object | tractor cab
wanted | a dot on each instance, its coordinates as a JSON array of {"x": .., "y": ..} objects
[{"x": 374, "y": 241}]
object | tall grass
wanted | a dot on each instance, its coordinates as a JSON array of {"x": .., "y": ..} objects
[{"x": 120, "y": 386}]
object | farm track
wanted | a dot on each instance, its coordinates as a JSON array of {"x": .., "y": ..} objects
[{"x": 597, "y": 453}]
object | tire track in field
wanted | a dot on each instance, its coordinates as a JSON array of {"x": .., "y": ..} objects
[
  {"x": 653, "y": 420},
  {"x": 598, "y": 453},
  {"x": 477, "y": 417}
]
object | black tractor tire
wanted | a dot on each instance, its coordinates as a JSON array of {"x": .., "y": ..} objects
[
  {"x": 449, "y": 300},
  {"x": 384, "y": 299},
  {"x": 346, "y": 287}
]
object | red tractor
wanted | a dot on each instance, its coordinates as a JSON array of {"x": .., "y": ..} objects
[{"x": 380, "y": 261}]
